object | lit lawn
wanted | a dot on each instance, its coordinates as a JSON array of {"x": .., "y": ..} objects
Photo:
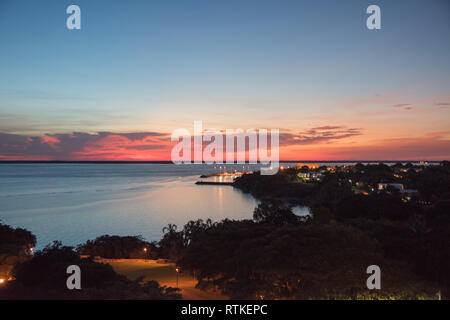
[{"x": 164, "y": 273}]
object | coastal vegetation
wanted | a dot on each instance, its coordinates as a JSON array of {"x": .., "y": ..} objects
[
  {"x": 16, "y": 245},
  {"x": 396, "y": 217},
  {"x": 116, "y": 247},
  {"x": 43, "y": 276}
]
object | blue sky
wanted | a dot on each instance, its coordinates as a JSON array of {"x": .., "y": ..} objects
[{"x": 157, "y": 65}]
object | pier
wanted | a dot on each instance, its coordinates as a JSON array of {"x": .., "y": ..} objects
[
  {"x": 220, "y": 179},
  {"x": 217, "y": 183}
]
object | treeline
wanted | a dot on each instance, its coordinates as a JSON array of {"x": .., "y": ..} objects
[
  {"x": 117, "y": 247},
  {"x": 413, "y": 236},
  {"x": 42, "y": 275},
  {"x": 432, "y": 182},
  {"x": 276, "y": 255},
  {"x": 279, "y": 255},
  {"x": 15, "y": 247}
]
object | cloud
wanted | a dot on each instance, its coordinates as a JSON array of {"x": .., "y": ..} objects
[
  {"x": 324, "y": 134},
  {"x": 82, "y": 145},
  {"x": 146, "y": 147},
  {"x": 328, "y": 128},
  {"x": 132, "y": 145},
  {"x": 430, "y": 147},
  {"x": 316, "y": 143},
  {"x": 405, "y": 106}
]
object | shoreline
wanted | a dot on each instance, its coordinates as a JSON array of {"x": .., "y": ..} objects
[{"x": 170, "y": 162}]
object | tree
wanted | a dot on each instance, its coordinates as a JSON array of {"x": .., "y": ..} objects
[
  {"x": 44, "y": 277},
  {"x": 249, "y": 260},
  {"x": 16, "y": 246},
  {"x": 117, "y": 247},
  {"x": 172, "y": 243},
  {"x": 274, "y": 212}
]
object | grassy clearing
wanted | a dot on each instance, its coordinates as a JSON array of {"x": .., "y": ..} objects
[{"x": 164, "y": 273}]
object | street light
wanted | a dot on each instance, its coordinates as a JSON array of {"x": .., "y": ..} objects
[
  {"x": 145, "y": 254},
  {"x": 178, "y": 271}
]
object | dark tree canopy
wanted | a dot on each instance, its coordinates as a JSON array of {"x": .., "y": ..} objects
[
  {"x": 15, "y": 240},
  {"x": 117, "y": 247},
  {"x": 274, "y": 212},
  {"x": 305, "y": 261},
  {"x": 44, "y": 277},
  {"x": 15, "y": 247}
]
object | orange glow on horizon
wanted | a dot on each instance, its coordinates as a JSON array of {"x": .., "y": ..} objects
[{"x": 324, "y": 143}]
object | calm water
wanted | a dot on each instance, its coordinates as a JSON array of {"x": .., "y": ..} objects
[{"x": 76, "y": 202}]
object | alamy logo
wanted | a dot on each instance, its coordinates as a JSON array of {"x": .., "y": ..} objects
[
  {"x": 374, "y": 281},
  {"x": 233, "y": 150},
  {"x": 374, "y": 20},
  {"x": 74, "y": 20},
  {"x": 74, "y": 280}
]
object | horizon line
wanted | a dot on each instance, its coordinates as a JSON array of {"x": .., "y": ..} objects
[{"x": 225, "y": 163}]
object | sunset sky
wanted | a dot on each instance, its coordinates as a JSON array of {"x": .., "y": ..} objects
[{"x": 137, "y": 70}]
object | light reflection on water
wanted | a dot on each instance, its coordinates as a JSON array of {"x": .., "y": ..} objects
[{"x": 76, "y": 202}]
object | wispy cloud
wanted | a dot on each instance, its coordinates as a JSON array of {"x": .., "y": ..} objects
[
  {"x": 316, "y": 143},
  {"x": 82, "y": 145},
  {"x": 323, "y": 134}
]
